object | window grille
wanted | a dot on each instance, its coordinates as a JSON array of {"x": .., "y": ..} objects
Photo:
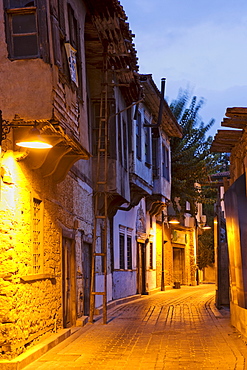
[
  {"x": 121, "y": 252},
  {"x": 165, "y": 163},
  {"x": 129, "y": 252},
  {"x": 151, "y": 256},
  {"x": 155, "y": 158},
  {"x": 37, "y": 236},
  {"x": 138, "y": 136},
  {"x": 147, "y": 145}
]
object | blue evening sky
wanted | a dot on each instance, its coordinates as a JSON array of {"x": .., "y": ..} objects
[{"x": 195, "y": 44}]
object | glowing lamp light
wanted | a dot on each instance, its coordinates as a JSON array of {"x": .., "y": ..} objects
[
  {"x": 34, "y": 141},
  {"x": 206, "y": 227},
  {"x": 173, "y": 221}
]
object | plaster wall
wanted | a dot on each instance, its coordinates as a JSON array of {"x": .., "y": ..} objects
[
  {"x": 151, "y": 280},
  {"x": 32, "y": 90},
  {"x": 239, "y": 318},
  {"x": 124, "y": 284}
]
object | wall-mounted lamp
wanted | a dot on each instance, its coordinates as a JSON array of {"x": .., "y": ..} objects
[
  {"x": 173, "y": 221},
  {"x": 34, "y": 139},
  {"x": 202, "y": 224},
  {"x": 206, "y": 227}
]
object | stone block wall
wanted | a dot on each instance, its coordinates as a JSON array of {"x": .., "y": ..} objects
[{"x": 31, "y": 305}]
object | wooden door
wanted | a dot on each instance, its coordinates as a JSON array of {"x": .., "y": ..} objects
[
  {"x": 87, "y": 266},
  {"x": 178, "y": 265},
  {"x": 67, "y": 281},
  {"x": 141, "y": 268}
]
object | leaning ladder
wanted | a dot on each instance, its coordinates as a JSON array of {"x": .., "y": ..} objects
[{"x": 100, "y": 202}]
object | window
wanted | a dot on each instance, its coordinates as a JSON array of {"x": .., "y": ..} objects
[
  {"x": 26, "y": 29},
  {"x": 125, "y": 146},
  {"x": 73, "y": 47},
  {"x": 121, "y": 251},
  {"x": 138, "y": 136},
  {"x": 125, "y": 248},
  {"x": 151, "y": 256},
  {"x": 165, "y": 163},
  {"x": 147, "y": 145},
  {"x": 155, "y": 158},
  {"x": 59, "y": 36},
  {"x": 66, "y": 48},
  {"x": 120, "y": 152},
  {"x": 129, "y": 252},
  {"x": 37, "y": 236}
]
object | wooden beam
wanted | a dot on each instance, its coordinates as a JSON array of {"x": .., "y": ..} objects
[
  {"x": 220, "y": 148},
  {"x": 236, "y": 122},
  {"x": 236, "y": 111},
  {"x": 228, "y": 134}
]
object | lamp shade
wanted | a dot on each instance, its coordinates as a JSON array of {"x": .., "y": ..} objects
[
  {"x": 206, "y": 227},
  {"x": 34, "y": 140},
  {"x": 174, "y": 221}
]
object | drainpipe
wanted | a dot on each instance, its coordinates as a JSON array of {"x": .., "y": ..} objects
[{"x": 162, "y": 285}]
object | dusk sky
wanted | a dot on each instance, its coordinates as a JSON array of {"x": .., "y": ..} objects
[{"x": 195, "y": 44}]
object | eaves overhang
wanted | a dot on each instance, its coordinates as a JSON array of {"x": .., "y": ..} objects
[
  {"x": 226, "y": 140},
  {"x": 109, "y": 33}
]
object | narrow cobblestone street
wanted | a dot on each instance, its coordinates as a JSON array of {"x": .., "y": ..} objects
[{"x": 175, "y": 329}]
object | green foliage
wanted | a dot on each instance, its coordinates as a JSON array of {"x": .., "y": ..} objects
[
  {"x": 192, "y": 161},
  {"x": 205, "y": 253},
  {"x": 223, "y": 162}
]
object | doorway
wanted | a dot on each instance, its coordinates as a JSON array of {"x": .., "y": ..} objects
[
  {"x": 68, "y": 284},
  {"x": 141, "y": 268},
  {"x": 178, "y": 265},
  {"x": 87, "y": 267}
]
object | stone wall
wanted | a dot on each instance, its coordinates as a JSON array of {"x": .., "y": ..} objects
[{"x": 31, "y": 304}]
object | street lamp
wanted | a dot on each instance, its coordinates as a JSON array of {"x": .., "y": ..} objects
[{"x": 34, "y": 139}]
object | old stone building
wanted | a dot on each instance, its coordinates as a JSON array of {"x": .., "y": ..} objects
[{"x": 52, "y": 59}]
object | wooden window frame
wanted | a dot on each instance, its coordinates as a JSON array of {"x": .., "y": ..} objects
[
  {"x": 125, "y": 145},
  {"x": 139, "y": 136},
  {"x": 151, "y": 253},
  {"x": 155, "y": 163},
  {"x": 125, "y": 248},
  {"x": 148, "y": 161},
  {"x": 120, "y": 139},
  {"x": 10, "y": 15},
  {"x": 121, "y": 251},
  {"x": 129, "y": 251},
  {"x": 165, "y": 163},
  {"x": 41, "y": 31}
]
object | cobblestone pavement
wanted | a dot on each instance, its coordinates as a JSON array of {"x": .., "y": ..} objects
[{"x": 176, "y": 329}]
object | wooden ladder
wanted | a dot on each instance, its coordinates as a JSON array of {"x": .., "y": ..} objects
[{"x": 99, "y": 252}]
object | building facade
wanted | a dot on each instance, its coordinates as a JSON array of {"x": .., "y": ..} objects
[
  {"x": 142, "y": 239},
  {"x": 87, "y": 217},
  {"x": 233, "y": 141},
  {"x": 52, "y": 72}
]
